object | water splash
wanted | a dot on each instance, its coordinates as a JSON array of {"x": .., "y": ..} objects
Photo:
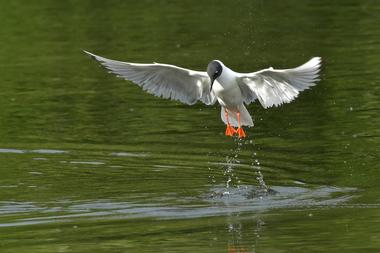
[
  {"x": 263, "y": 189},
  {"x": 232, "y": 180},
  {"x": 231, "y": 161}
]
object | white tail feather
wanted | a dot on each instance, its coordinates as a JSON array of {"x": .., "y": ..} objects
[{"x": 245, "y": 117}]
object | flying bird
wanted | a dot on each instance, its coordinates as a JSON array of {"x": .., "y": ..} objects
[{"x": 233, "y": 90}]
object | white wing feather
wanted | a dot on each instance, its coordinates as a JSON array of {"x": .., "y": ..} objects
[
  {"x": 274, "y": 87},
  {"x": 163, "y": 80}
]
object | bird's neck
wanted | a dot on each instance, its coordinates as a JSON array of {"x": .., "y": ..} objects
[{"x": 227, "y": 78}]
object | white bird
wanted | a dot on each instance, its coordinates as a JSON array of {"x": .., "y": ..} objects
[{"x": 272, "y": 87}]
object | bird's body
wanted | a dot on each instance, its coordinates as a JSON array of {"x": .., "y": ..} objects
[
  {"x": 231, "y": 89},
  {"x": 227, "y": 90}
]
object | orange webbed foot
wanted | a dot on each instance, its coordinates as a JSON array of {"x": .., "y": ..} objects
[
  {"x": 241, "y": 132},
  {"x": 230, "y": 131}
]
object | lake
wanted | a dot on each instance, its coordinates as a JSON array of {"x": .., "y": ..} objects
[{"x": 91, "y": 163}]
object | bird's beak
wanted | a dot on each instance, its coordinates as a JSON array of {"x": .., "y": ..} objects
[{"x": 212, "y": 82}]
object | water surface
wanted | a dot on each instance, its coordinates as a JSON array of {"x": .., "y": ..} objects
[{"x": 90, "y": 163}]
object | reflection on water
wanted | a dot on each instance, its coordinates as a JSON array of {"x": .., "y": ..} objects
[{"x": 237, "y": 242}]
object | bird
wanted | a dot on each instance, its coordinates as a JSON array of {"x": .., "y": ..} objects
[{"x": 233, "y": 90}]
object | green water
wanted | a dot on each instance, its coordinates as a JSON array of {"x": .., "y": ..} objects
[{"x": 90, "y": 163}]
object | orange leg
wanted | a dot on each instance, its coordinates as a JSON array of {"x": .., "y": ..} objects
[
  {"x": 240, "y": 130},
  {"x": 230, "y": 131}
]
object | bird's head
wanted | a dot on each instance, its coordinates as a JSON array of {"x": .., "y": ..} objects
[{"x": 214, "y": 70}]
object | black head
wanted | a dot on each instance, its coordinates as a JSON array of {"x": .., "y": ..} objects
[{"x": 214, "y": 70}]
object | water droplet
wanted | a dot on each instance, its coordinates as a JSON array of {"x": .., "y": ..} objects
[{"x": 226, "y": 193}]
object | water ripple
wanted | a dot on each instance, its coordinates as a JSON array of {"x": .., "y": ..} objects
[
  {"x": 36, "y": 151},
  {"x": 239, "y": 200}
]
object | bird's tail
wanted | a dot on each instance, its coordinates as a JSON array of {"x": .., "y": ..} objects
[{"x": 245, "y": 117}]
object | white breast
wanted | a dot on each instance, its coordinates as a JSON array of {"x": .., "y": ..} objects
[{"x": 227, "y": 90}]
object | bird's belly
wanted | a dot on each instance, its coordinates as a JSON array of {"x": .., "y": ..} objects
[{"x": 230, "y": 98}]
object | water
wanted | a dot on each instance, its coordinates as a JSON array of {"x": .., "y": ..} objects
[{"x": 90, "y": 163}]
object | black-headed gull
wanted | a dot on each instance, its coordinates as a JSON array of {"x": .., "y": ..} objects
[{"x": 231, "y": 89}]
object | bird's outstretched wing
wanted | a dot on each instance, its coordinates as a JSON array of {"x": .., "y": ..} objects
[
  {"x": 163, "y": 80},
  {"x": 274, "y": 87}
]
